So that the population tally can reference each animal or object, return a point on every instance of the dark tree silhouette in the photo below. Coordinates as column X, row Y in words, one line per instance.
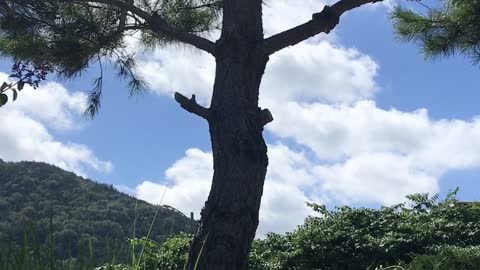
column 70, row 35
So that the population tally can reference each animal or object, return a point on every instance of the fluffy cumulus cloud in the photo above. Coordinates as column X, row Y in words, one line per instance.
column 322, row 97
column 375, row 154
column 189, row 72
column 319, row 71
column 284, row 198
column 336, row 131
column 27, row 126
column 321, row 62
column 359, row 153
column 59, row 108
column 283, row 206
column 379, row 177
column 186, row 186
column 282, row 15
column 308, row 71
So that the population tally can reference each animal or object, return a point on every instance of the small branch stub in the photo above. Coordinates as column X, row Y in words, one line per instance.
column 265, row 117
column 191, row 105
column 327, row 17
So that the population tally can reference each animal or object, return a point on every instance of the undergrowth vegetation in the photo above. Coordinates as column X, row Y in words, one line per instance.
column 421, row 234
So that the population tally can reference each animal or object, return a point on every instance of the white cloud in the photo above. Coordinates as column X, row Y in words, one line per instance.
column 361, row 154
column 178, row 69
column 279, row 16
column 306, row 72
column 374, row 177
column 25, row 133
column 318, row 72
column 283, row 205
column 52, row 104
column 289, row 179
column 282, row 15
column 337, row 131
column 321, row 95
column 377, row 155
column 314, row 70
column 187, row 183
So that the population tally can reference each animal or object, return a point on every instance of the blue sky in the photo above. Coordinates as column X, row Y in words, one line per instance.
column 359, row 119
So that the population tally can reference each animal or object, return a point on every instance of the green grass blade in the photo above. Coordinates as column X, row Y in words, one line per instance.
column 200, row 252
column 151, row 226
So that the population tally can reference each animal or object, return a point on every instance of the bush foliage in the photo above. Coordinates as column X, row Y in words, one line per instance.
column 349, row 238
column 421, row 234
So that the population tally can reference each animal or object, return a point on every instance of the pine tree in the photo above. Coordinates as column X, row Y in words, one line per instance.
column 67, row 36
column 453, row 27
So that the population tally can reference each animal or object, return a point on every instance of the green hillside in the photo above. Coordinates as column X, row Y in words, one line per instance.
column 44, row 199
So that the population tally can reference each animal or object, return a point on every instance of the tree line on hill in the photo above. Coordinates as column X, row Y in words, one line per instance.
column 42, row 202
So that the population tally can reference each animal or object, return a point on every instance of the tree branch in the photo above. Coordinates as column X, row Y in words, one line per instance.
column 214, row 4
column 159, row 25
column 322, row 22
column 123, row 17
column 192, row 106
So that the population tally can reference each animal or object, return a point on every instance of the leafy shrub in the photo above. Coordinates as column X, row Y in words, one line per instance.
column 449, row 258
column 173, row 253
column 170, row 255
column 359, row 239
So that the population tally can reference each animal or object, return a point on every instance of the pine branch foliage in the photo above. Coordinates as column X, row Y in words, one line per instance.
column 71, row 35
column 452, row 28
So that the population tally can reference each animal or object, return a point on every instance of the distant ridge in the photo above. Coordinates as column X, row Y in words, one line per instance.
column 32, row 194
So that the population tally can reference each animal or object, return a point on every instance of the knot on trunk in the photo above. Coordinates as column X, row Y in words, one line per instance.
column 327, row 17
column 265, row 117
column 157, row 21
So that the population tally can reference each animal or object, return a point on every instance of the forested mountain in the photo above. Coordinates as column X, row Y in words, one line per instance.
column 38, row 200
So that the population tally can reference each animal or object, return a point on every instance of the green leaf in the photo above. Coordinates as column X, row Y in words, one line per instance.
column 3, row 99
column 15, row 94
column 21, row 84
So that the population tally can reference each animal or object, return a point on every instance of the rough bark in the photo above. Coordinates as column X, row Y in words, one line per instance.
column 230, row 216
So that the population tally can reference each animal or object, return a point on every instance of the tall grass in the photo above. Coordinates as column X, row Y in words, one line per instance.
column 32, row 256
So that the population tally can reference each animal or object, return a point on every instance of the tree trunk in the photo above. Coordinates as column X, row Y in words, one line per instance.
column 230, row 216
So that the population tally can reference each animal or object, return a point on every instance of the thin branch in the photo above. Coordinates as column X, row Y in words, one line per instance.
column 123, row 17
column 95, row 96
column 322, row 22
column 134, row 27
column 159, row 25
column 210, row 5
column 192, row 106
